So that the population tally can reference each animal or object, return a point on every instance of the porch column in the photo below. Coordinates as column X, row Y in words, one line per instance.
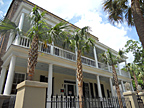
column 52, row 48
column 119, row 68
column 95, row 56
column 122, row 84
column 11, row 36
column 111, row 86
column 2, row 78
column 50, row 75
column 99, row 86
column 131, row 86
column 10, row 76
column 20, row 26
column 77, row 92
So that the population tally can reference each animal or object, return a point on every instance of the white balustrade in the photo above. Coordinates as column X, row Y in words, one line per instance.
column 126, row 74
column 64, row 53
column 25, row 42
column 103, row 66
column 88, row 61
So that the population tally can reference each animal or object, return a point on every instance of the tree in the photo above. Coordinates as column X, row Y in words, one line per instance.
column 120, row 11
column 39, row 31
column 108, row 57
column 133, row 69
column 136, row 68
column 80, row 41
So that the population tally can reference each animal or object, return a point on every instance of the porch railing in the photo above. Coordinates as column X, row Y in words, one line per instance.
column 9, row 102
column 88, row 61
column 73, row 102
column 25, row 42
column 64, row 53
column 103, row 66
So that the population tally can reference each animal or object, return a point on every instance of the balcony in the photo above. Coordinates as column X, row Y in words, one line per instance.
column 65, row 54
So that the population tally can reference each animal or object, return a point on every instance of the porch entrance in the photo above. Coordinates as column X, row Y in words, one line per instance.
column 69, row 88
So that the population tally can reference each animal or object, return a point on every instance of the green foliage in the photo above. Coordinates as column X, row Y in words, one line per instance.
column 6, row 26
column 80, row 39
column 119, row 11
column 110, row 58
column 40, row 28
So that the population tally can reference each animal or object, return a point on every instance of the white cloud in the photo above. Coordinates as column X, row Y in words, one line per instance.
column 90, row 12
column 1, row 13
column 1, row 2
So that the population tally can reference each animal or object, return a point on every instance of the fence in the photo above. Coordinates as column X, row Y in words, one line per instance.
column 9, row 103
column 140, row 101
column 73, row 102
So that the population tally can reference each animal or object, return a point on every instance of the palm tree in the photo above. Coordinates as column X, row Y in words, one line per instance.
column 108, row 57
column 39, row 31
column 80, row 41
column 120, row 11
column 133, row 69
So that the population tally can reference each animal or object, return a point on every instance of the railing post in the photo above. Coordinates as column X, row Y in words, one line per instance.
column 61, row 101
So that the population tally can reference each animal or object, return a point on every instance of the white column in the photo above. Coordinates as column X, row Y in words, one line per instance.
column 10, row 76
column 95, row 56
column 11, row 36
column 52, row 48
column 77, row 92
column 2, row 78
column 131, row 86
column 99, row 86
column 119, row 68
column 122, row 84
column 111, row 86
column 20, row 28
column 109, row 67
column 50, row 75
column 49, row 90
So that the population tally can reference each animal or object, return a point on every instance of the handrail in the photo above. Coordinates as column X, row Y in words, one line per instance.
column 25, row 42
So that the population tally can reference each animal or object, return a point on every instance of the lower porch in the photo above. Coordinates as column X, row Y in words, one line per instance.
column 61, row 80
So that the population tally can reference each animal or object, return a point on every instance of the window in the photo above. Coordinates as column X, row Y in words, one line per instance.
column 102, row 89
column 18, row 78
column 96, row 90
column 43, row 79
column 91, row 88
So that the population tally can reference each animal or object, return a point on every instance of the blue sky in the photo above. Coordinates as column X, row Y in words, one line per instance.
column 86, row 13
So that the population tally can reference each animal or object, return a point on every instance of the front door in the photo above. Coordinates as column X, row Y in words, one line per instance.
column 70, row 90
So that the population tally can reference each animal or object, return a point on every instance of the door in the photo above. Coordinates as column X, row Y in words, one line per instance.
column 70, row 90
column 86, row 90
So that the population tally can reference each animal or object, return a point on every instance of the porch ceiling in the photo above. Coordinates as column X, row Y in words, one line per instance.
column 57, row 69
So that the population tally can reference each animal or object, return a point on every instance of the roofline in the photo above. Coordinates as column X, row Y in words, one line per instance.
column 56, row 16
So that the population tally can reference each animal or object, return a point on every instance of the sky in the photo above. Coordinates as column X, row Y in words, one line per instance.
column 86, row 13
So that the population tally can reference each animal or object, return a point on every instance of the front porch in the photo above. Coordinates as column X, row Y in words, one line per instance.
column 61, row 80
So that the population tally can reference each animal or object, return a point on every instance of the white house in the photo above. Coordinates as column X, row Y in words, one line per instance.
column 56, row 65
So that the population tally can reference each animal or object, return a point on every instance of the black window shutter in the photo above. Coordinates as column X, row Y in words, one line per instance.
column 42, row 78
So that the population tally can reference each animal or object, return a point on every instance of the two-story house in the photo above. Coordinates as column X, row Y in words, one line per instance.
column 56, row 66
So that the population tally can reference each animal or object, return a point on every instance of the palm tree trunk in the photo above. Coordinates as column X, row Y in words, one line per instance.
column 32, row 58
column 80, row 78
column 117, row 86
column 138, row 19
column 136, row 82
